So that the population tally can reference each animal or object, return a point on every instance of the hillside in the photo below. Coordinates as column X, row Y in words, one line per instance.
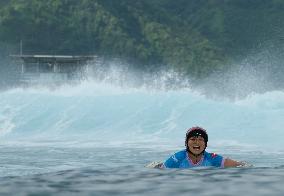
column 194, row 37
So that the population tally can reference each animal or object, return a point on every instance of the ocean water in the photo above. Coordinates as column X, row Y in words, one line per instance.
column 96, row 139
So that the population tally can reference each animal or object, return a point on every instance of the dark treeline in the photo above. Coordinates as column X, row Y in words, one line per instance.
column 197, row 37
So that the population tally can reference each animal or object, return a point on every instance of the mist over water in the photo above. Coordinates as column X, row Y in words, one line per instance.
column 116, row 103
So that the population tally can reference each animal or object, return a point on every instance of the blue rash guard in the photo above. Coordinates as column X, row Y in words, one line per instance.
column 182, row 160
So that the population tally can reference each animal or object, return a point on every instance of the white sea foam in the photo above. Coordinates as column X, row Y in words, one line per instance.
column 6, row 126
column 6, row 120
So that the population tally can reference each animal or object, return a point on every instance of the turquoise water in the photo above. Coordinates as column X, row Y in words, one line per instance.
column 95, row 139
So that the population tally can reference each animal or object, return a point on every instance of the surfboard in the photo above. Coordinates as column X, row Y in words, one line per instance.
column 155, row 164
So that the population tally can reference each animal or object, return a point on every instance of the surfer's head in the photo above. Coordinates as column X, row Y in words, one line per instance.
column 196, row 140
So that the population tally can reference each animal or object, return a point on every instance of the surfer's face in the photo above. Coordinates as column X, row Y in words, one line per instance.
column 196, row 144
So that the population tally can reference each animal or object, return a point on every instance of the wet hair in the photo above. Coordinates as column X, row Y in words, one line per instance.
column 195, row 132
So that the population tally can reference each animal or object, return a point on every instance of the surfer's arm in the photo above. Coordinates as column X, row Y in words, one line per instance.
column 175, row 160
column 232, row 163
column 171, row 162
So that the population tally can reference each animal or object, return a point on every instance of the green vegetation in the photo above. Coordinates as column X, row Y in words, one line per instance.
column 195, row 37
